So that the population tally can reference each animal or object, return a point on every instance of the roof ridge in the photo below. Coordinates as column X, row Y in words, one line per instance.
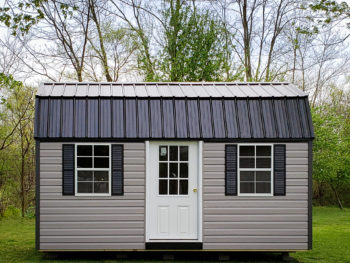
column 170, row 89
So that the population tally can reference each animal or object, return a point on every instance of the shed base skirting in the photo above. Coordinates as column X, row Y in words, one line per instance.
column 170, row 250
column 174, row 245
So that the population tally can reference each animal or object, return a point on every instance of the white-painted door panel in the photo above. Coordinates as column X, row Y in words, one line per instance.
column 172, row 191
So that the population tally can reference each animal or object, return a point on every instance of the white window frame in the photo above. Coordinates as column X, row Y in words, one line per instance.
column 254, row 169
column 76, row 169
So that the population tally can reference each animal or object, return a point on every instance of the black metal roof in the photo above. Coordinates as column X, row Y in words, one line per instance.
column 176, row 117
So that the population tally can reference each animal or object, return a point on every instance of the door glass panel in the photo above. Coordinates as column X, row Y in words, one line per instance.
column 183, row 187
column 163, row 153
column 173, row 187
column 163, row 170
column 163, row 187
column 174, row 153
column 173, row 170
column 183, row 153
column 184, row 170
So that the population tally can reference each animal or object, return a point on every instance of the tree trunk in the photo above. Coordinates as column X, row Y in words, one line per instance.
column 340, row 205
column 22, row 172
column 103, row 56
column 246, row 42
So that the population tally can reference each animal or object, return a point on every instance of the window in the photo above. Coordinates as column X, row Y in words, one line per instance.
column 93, row 175
column 255, row 170
column 173, row 170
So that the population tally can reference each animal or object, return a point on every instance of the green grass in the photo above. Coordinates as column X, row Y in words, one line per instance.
column 331, row 243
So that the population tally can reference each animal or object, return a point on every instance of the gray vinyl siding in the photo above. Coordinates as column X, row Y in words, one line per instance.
column 255, row 223
column 83, row 223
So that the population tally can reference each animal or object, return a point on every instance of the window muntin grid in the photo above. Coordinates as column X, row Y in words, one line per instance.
column 173, row 170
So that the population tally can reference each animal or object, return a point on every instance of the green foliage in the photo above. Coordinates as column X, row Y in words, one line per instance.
column 331, row 10
column 16, row 145
column 193, row 48
column 21, row 16
column 331, row 164
column 11, row 211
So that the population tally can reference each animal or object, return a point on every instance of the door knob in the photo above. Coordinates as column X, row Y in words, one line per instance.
column 194, row 190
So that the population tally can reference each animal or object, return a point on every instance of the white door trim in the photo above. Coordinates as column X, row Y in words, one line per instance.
column 148, row 212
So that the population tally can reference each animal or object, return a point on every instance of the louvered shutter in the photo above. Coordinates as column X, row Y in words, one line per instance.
column 231, row 169
column 68, row 169
column 117, row 169
column 279, row 169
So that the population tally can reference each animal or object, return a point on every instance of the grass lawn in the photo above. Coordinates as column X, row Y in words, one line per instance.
column 331, row 243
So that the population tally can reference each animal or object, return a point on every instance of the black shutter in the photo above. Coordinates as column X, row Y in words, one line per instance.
column 68, row 169
column 231, row 169
column 279, row 166
column 117, row 169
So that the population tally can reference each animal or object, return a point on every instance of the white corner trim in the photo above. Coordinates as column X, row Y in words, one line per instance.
column 200, row 191
column 147, row 182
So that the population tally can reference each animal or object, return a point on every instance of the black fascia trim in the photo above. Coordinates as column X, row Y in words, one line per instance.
column 37, row 195
column 174, row 245
column 309, row 195
column 170, row 97
column 226, row 140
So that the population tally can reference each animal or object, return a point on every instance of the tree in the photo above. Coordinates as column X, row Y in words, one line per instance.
column 17, row 118
column 193, row 47
column 332, row 143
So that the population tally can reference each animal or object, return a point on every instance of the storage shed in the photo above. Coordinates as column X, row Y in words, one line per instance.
column 199, row 166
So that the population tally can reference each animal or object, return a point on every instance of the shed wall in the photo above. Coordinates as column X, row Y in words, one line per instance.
column 82, row 223
column 229, row 222
column 256, row 223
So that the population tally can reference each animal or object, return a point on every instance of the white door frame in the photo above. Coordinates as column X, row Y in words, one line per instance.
column 148, row 212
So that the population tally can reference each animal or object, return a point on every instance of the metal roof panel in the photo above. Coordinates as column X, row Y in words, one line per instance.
column 93, row 90
column 105, row 90
column 105, row 118
column 140, row 90
column 172, row 117
column 170, row 89
column 218, row 119
column 206, row 118
column 117, row 90
column 82, row 90
column 143, row 118
column 70, row 90
column 129, row 90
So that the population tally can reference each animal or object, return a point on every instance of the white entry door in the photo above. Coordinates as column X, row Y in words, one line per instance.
column 172, row 191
